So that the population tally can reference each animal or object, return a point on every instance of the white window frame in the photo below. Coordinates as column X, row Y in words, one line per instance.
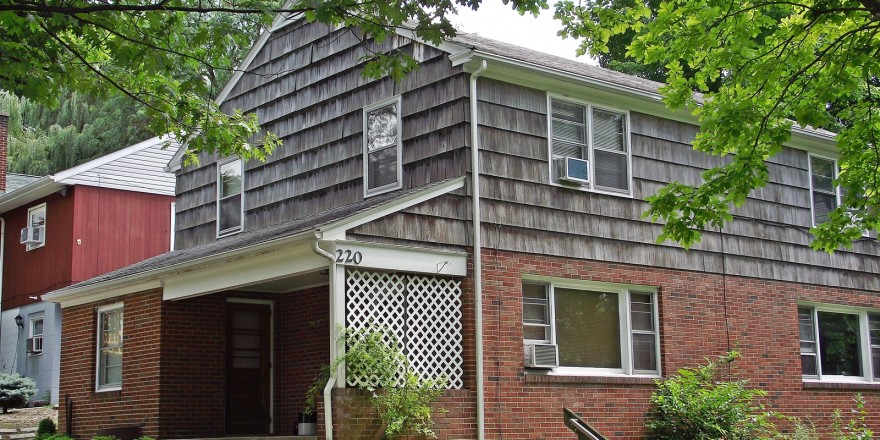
column 240, row 227
column 591, row 186
column 366, row 168
column 31, row 333
column 626, row 344
column 40, row 207
column 836, row 187
column 101, row 312
column 864, row 343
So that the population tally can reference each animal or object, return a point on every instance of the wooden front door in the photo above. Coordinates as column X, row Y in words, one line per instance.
column 247, row 368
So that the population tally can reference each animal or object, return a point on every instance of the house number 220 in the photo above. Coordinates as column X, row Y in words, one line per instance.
column 346, row 256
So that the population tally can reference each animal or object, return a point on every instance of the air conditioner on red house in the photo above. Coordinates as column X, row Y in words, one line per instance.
column 33, row 235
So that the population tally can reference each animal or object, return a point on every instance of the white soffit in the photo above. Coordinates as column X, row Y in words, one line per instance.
column 284, row 262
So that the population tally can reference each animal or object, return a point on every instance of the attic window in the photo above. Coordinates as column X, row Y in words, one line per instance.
column 382, row 147
column 229, row 197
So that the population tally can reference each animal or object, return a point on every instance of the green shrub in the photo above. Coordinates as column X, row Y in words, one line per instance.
column 57, row 437
column 45, row 428
column 699, row 403
column 855, row 428
column 401, row 398
column 15, row 390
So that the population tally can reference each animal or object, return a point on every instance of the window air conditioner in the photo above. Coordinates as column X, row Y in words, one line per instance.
column 32, row 235
column 542, row 356
column 572, row 169
column 34, row 345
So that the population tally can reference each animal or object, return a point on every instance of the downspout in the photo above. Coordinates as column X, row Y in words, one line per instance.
column 478, row 265
column 331, row 382
column 2, row 260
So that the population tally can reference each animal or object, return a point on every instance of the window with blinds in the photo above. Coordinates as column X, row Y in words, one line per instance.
column 589, row 146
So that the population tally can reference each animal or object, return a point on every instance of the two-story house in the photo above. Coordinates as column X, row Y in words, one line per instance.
column 68, row 227
column 488, row 209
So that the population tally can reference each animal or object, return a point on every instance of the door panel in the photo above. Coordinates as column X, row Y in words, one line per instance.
column 247, row 369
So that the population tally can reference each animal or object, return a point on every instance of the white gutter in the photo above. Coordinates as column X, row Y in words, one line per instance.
column 331, row 382
column 478, row 265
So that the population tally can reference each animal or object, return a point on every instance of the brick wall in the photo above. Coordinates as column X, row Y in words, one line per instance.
column 193, row 367
column 302, row 346
column 355, row 419
column 762, row 318
column 138, row 401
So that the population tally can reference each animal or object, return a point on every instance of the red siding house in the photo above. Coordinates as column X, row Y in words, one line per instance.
column 68, row 227
column 487, row 208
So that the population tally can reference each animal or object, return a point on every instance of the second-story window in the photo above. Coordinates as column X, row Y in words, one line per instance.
column 382, row 147
column 589, row 147
column 34, row 235
column 229, row 197
column 825, row 195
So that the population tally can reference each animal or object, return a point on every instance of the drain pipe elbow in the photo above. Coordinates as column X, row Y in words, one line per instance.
column 478, row 266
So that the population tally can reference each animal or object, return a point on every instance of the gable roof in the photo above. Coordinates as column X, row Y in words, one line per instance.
column 465, row 46
column 258, row 240
column 139, row 168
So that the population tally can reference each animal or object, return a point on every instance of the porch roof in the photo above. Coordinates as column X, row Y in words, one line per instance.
column 302, row 229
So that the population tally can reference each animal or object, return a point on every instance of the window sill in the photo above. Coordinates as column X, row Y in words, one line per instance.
column 622, row 194
column 113, row 394
column 619, row 380
column 817, row 385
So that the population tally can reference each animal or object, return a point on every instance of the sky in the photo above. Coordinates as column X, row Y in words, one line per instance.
column 499, row 22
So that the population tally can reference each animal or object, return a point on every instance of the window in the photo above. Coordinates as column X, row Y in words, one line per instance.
column 109, row 374
column 597, row 328
column 35, row 336
column 824, row 194
column 382, row 145
column 229, row 194
column 589, row 147
column 36, row 225
column 839, row 344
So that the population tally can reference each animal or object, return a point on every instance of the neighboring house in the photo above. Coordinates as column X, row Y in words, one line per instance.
column 68, row 227
column 560, row 298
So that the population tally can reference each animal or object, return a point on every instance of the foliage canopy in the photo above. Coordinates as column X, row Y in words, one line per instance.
column 750, row 71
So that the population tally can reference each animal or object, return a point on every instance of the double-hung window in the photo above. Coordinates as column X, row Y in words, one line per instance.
column 596, row 328
column 382, row 147
column 589, row 147
column 109, row 365
column 839, row 344
column 35, row 336
column 825, row 195
column 229, row 197
column 36, row 227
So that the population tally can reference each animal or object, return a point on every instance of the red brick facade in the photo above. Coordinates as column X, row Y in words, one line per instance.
column 138, row 402
column 174, row 363
column 182, row 395
column 763, row 323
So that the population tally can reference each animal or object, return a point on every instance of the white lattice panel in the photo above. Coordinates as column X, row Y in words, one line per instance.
column 374, row 298
column 423, row 312
column 434, row 328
